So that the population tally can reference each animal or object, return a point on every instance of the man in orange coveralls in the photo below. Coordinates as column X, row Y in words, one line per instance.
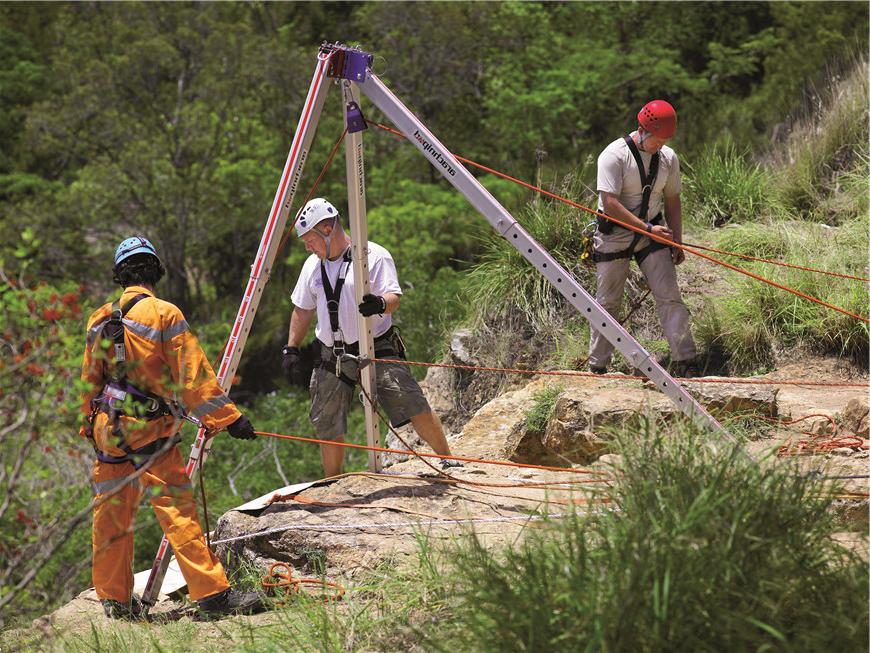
column 140, row 358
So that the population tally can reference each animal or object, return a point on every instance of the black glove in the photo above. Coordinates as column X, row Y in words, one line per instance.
column 242, row 429
column 293, row 367
column 372, row 304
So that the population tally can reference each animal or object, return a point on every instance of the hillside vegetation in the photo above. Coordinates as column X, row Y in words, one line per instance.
column 173, row 120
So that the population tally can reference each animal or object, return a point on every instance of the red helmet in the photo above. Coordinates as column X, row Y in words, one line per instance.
column 658, row 118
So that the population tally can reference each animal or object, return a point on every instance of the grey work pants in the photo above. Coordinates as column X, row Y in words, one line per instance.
column 661, row 275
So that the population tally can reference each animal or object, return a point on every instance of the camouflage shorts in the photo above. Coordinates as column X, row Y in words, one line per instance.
column 399, row 395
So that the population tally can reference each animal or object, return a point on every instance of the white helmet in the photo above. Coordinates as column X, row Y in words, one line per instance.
column 313, row 213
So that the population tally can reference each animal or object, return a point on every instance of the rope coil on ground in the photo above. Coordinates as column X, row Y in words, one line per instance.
column 282, row 584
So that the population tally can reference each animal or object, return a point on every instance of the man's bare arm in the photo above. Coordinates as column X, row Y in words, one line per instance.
column 300, row 322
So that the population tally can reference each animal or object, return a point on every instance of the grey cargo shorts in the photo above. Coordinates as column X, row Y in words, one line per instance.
column 399, row 395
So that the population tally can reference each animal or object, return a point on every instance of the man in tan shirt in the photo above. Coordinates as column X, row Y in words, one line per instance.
column 639, row 184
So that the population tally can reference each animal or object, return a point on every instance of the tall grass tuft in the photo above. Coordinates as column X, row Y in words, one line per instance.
column 748, row 325
column 700, row 550
column 822, row 166
column 504, row 283
column 542, row 407
column 723, row 186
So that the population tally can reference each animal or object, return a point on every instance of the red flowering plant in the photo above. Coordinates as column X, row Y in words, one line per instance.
column 44, row 464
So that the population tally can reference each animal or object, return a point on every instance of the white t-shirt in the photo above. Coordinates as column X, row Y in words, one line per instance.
column 309, row 293
column 618, row 174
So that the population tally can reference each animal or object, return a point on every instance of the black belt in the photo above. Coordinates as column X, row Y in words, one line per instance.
column 385, row 347
column 145, row 405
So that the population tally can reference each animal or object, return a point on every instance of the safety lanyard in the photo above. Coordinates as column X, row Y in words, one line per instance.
column 114, row 329
column 646, row 180
column 333, row 295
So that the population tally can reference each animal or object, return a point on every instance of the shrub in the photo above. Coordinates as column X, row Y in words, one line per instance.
column 44, row 552
column 542, row 408
column 702, row 550
column 504, row 283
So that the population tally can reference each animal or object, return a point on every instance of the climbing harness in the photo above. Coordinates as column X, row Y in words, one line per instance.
column 647, row 180
column 389, row 345
column 119, row 398
column 333, row 297
column 386, row 345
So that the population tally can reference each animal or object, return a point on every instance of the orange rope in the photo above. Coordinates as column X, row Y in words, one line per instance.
column 411, row 452
column 282, row 583
column 817, row 442
column 623, row 377
column 779, row 263
column 643, row 232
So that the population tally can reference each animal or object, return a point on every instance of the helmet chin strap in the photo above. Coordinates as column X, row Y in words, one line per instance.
column 642, row 136
column 327, row 239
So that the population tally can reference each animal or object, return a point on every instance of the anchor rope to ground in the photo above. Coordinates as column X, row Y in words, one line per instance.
column 623, row 377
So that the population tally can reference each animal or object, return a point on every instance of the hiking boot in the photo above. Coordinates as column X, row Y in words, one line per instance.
column 232, row 601
column 446, row 464
column 132, row 611
column 687, row 369
column 597, row 370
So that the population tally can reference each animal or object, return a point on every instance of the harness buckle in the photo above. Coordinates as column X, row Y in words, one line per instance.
column 114, row 392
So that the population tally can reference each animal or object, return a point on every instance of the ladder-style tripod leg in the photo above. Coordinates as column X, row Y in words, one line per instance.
column 356, row 204
column 507, row 227
column 260, row 271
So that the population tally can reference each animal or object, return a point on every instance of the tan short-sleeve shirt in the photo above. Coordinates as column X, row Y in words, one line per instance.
column 618, row 174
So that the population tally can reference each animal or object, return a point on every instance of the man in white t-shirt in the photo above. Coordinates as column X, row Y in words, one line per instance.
column 326, row 289
column 639, row 184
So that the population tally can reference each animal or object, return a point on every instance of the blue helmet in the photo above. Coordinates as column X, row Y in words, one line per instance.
column 134, row 245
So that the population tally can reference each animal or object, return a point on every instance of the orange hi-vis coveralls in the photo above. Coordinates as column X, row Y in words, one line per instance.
column 164, row 358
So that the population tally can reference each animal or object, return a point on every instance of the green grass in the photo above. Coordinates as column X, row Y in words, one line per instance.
column 724, row 186
column 750, row 323
column 702, row 551
column 699, row 549
column 822, row 172
column 543, row 403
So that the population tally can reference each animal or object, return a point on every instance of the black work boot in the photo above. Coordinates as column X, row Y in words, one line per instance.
column 131, row 611
column 687, row 369
column 595, row 369
column 232, row 601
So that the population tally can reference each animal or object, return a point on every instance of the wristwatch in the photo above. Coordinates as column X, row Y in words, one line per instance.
column 649, row 227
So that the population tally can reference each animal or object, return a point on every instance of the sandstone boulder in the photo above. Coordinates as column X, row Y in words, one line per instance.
column 855, row 419
column 736, row 400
